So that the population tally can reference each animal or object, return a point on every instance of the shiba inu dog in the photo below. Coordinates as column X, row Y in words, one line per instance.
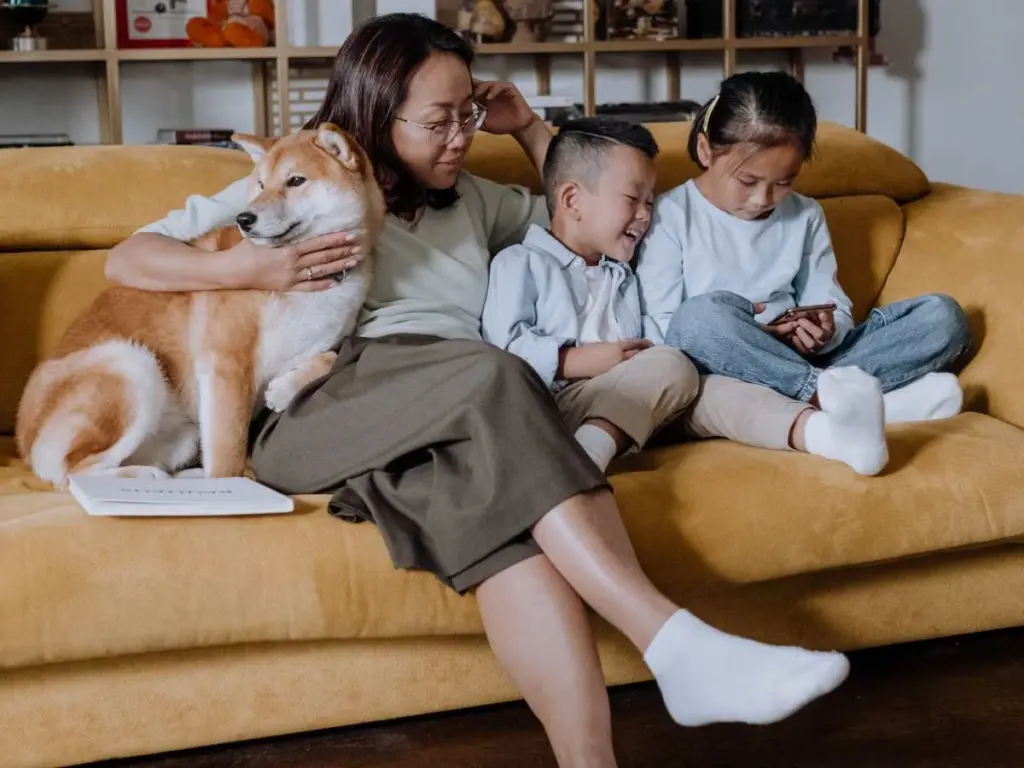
column 151, row 379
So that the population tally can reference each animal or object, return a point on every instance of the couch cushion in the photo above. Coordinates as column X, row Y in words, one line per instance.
column 93, row 197
column 845, row 162
column 702, row 517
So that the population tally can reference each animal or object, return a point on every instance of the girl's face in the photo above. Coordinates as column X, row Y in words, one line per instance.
column 747, row 180
column 436, row 122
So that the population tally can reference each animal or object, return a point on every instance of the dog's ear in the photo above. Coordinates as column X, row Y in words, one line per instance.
column 256, row 146
column 338, row 144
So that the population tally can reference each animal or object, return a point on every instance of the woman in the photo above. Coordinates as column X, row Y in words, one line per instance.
column 453, row 447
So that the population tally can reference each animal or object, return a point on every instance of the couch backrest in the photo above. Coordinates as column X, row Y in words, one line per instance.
column 61, row 208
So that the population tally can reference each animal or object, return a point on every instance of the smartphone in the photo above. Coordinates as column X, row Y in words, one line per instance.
column 796, row 312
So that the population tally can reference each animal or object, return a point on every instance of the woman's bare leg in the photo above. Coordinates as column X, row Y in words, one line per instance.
column 704, row 675
column 541, row 634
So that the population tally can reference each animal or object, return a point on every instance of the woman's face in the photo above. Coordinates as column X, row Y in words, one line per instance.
column 440, row 92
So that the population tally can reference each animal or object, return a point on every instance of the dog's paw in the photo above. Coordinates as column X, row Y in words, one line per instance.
column 282, row 390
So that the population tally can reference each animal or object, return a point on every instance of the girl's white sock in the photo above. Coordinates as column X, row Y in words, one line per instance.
column 599, row 445
column 708, row 676
column 933, row 396
column 850, row 427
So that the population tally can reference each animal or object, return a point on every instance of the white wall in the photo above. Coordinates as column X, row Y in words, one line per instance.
column 952, row 98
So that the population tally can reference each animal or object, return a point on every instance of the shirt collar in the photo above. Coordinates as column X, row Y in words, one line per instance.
column 541, row 239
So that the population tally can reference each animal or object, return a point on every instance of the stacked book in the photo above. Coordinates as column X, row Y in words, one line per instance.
column 202, row 137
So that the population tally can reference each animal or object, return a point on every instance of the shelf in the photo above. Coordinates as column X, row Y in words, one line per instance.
column 655, row 46
column 42, row 57
column 801, row 41
column 517, row 49
column 312, row 52
column 195, row 54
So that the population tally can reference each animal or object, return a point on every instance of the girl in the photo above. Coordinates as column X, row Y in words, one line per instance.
column 734, row 249
column 454, row 448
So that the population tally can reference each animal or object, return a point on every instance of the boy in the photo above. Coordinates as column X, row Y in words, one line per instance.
column 567, row 302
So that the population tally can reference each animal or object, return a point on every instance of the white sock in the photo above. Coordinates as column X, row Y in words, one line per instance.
column 933, row 396
column 707, row 676
column 599, row 445
column 850, row 427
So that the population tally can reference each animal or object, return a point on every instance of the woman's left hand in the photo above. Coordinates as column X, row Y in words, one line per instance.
column 507, row 110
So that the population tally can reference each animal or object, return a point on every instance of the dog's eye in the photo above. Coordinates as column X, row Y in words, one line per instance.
column 295, row 181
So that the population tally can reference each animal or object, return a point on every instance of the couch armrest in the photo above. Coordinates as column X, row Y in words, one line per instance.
column 970, row 244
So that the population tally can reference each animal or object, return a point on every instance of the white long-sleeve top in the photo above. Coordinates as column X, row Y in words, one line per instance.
column 783, row 260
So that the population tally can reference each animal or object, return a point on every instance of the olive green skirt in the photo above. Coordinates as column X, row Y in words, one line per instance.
column 454, row 449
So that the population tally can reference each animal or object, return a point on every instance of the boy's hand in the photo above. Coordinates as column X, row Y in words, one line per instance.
column 592, row 360
column 807, row 335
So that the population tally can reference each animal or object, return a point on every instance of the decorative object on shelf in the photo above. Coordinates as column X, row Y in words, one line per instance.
column 484, row 21
column 233, row 24
column 641, row 19
column 772, row 18
column 27, row 14
column 156, row 23
column 532, row 19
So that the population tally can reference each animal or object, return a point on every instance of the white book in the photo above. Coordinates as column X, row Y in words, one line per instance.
column 191, row 497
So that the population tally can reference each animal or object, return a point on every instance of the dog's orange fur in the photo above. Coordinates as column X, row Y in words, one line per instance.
column 216, row 334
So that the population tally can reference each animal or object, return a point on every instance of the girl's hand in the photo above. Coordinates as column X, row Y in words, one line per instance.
column 805, row 335
column 305, row 266
column 507, row 110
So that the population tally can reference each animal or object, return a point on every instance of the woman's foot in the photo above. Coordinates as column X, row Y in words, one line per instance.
column 850, row 427
column 708, row 676
column 933, row 396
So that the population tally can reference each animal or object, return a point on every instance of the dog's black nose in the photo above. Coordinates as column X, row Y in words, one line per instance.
column 245, row 220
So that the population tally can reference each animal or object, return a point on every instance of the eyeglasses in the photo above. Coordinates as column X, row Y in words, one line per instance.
column 444, row 132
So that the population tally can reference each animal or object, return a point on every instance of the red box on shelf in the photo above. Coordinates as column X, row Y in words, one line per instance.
column 156, row 23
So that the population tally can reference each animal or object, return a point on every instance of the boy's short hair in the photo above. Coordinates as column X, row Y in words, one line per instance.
column 576, row 151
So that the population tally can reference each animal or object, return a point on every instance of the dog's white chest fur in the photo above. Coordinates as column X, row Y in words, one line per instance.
column 295, row 326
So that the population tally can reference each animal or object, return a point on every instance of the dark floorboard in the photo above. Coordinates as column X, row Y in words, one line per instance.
column 953, row 703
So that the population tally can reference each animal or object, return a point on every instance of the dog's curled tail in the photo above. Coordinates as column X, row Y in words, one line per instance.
column 90, row 410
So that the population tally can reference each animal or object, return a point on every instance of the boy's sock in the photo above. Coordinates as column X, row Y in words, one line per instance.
column 599, row 445
column 850, row 427
column 707, row 676
column 933, row 396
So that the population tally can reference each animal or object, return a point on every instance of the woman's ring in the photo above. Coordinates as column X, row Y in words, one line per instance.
column 309, row 273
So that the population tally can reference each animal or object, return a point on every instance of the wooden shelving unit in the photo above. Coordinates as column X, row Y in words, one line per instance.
column 109, row 59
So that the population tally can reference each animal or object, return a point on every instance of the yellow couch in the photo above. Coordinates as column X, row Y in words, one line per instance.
column 122, row 637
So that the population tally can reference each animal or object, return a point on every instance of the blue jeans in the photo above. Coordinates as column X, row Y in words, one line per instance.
column 897, row 344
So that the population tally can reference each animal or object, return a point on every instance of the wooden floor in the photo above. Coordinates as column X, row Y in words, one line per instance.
column 955, row 703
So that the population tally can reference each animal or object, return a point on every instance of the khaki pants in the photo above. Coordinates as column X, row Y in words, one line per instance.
column 660, row 388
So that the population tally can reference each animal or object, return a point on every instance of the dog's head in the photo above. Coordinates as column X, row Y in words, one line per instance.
column 310, row 183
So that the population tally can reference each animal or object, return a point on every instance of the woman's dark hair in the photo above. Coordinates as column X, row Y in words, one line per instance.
column 368, row 84
column 764, row 108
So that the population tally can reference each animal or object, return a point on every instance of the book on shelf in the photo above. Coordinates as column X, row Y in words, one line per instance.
column 193, row 135
column 105, row 496
column 19, row 140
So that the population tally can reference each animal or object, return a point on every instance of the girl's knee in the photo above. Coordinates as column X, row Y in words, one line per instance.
column 710, row 314
column 946, row 316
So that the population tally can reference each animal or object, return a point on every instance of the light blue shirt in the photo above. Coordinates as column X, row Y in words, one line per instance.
column 536, row 293
column 694, row 247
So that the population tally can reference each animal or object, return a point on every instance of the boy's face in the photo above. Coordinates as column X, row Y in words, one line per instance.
column 615, row 211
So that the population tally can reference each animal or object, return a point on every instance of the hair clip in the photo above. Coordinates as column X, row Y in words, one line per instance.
column 707, row 115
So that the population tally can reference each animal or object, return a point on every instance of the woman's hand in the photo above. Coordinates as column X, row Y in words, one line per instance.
column 507, row 110
column 305, row 266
